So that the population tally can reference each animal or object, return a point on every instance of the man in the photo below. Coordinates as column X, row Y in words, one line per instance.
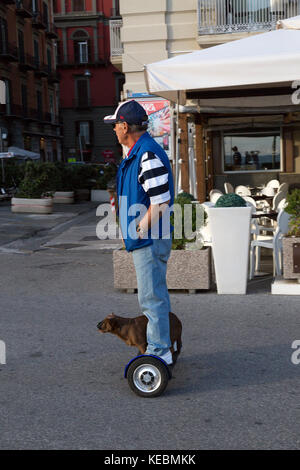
column 145, row 178
column 237, row 157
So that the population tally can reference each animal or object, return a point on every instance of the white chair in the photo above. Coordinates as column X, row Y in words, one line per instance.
column 214, row 195
column 274, row 243
column 273, row 184
column 268, row 191
column 284, row 187
column 278, row 197
column 282, row 205
column 242, row 191
column 228, row 188
column 250, row 200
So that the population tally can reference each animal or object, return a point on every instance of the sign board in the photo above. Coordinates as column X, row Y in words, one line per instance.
column 159, row 128
column 108, row 156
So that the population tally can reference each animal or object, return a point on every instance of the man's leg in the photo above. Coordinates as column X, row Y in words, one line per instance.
column 151, row 268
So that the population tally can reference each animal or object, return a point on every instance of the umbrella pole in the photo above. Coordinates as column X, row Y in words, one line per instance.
column 177, row 147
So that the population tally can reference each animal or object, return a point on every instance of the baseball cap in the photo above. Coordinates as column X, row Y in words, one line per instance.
column 130, row 111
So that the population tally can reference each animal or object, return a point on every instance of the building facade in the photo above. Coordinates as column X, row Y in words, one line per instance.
column 90, row 84
column 30, row 117
column 269, row 144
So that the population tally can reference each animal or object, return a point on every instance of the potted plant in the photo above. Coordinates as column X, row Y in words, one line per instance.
column 230, row 221
column 64, row 193
column 291, row 242
column 36, row 189
column 189, row 265
column 104, row 177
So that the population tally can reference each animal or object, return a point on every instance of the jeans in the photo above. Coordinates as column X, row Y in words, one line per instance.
column 151, row 269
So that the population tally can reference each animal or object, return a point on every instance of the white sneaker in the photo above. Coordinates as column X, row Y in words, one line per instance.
column 167, row 357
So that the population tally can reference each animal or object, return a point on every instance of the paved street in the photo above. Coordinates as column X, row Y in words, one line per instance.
column 234, row 385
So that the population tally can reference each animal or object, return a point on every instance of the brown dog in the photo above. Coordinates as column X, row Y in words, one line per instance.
column 133, row 331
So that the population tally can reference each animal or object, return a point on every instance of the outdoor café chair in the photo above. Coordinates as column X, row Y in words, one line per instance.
column 242, row 191
column 273, row 184
column 228, row 188
column 277, row 198
column 214, row 195
column 274, row 243
column 284, row 187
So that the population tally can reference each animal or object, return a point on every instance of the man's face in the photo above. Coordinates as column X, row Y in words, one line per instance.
column 121, row 129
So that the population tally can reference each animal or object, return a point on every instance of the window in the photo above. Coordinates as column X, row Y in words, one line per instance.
column 82, row 93
column 84, row 131
column 82, row 50
column 51, row 106
column 24, row 99
column 78, row 5
column 8, row 95
column 81, row 46
column 36, row 53
column 49, row 60
column 21, row 46
column 39, row 102
column 55, row 6
column 3, row 35
column 45, row 14
column 252, row 151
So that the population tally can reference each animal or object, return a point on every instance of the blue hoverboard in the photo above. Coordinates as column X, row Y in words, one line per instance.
column 148, row 375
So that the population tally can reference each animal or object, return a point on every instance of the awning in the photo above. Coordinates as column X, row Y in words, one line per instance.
column 24, row 154
column 263, row 61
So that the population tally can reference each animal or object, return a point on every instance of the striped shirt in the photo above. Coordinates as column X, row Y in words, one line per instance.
column 153, row 176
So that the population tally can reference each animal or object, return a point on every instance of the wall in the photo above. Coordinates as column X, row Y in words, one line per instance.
column 154, row 31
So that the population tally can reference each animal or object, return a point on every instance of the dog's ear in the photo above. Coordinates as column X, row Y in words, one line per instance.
column 112, row 321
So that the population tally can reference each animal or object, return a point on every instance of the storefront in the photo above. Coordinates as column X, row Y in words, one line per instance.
column 246, row 124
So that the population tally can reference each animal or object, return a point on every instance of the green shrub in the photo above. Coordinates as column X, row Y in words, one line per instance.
column 14, row 172
column 106, row 177
column 83, row 176
column 293, row 208
column 231, row 200
column 40, row 179
column 183, row 199
column 65, row 180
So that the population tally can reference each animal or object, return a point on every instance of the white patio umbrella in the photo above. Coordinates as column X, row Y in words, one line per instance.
column 269, row 59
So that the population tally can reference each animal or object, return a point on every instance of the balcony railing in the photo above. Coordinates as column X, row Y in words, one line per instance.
column 116, row 48
column 51, row 31
column 233, row 16
column 9, row 51
column 82, row 103
column 24, row 8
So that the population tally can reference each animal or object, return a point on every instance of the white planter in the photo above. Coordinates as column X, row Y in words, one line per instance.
column 64, row 197
column 99, row 195
column 230, row 230
column 35, row 206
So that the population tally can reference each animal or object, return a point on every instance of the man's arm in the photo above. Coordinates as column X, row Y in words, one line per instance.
column 152, row 216
column 155, row 181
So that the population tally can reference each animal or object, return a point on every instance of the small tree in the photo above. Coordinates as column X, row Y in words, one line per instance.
column 293, row 208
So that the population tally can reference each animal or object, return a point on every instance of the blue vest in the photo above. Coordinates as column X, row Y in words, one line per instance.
column 131, row 192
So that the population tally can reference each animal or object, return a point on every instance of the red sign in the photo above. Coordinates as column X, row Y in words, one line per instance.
column 108, row 155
